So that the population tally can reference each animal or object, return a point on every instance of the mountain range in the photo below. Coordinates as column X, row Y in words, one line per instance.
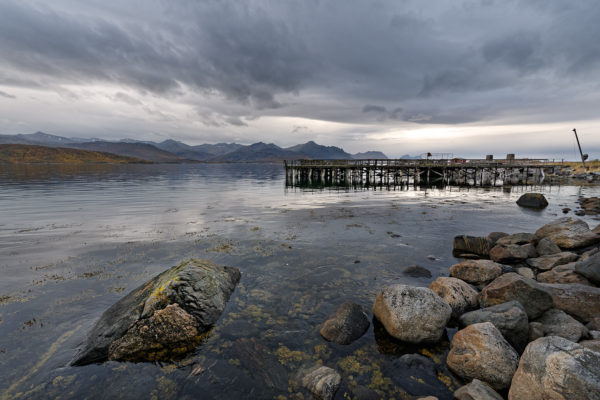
column 172, row 151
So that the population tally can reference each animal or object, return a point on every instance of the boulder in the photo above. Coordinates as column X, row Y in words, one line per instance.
column 556, row 368
column 533, row 200
column 476, row 390
column 412, row 314
column 563, row 274
column 590, row 268
column 457, row 293
column 512, row 253
column 532, row 296
column 518, row 238
column 348, row 323
column 322, row 381
column 476, row 272
column 546, row 263
column 558, row 323
column 536, row 330
column 585, row 255
column 494, row 236
column 480, row 352
column 509, row 318
column 568, row 233
column 579, row 301
column 201, row 290
column 546, row 247
column 472, row 244
column 526, row 272
column 416, row 271
column 593, row 345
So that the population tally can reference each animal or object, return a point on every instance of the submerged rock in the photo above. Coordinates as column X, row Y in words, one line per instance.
column 480, row 352
column 580, row 301
column 476, row 390
column 347, row 324
column 510, row 318
column 412, row 314
column 568, row 233
column 476, row 272
column 533, row 200
column 556, row 368
column 457, row 293
column 558, row 323
column 534, row 298
column 199, row 288
column 322, row 381
column 472, row 244
column 416, row 271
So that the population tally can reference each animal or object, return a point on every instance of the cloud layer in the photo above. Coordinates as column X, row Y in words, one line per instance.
column 236, row 70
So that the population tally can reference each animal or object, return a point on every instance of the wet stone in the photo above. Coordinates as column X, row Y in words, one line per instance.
column 348, row 323
column 322, row 381
column 533, row 200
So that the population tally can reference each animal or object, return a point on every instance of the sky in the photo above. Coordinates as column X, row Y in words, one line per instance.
column 471, row 77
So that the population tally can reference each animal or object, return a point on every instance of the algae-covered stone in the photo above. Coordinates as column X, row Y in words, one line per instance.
column 200, row 288
column 347, row 324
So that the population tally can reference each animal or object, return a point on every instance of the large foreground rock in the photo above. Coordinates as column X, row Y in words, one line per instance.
column 199, row 288
column 479, row 351
column 556, row 368
column 472, row 245
column 347, row 324
column 476, row 272
column 580, row 301
column 558, row 323
column 546, row 263
column 590, row 268
column 533, row 200
column 322, row 381
column 512, row 286
column 510, row 318
column 568, row 233
column 412, row 314
column 476, row 390
column 457, row 293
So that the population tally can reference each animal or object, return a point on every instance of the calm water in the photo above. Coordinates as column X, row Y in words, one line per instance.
column 73, row 241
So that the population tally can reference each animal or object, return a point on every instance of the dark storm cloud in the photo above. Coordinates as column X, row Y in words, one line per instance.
column 445, row 62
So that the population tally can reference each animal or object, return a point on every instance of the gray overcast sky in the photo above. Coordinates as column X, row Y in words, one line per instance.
column 466, row 77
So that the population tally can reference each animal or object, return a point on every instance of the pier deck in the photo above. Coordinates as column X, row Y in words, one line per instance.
column 396, row 172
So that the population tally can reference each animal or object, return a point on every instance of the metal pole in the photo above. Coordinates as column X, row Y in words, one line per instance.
column 579, row 145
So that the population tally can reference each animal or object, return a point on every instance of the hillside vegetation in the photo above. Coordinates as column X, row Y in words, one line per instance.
column 30, row 154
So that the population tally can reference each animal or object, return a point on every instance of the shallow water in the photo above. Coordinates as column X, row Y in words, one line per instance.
column 74, row 240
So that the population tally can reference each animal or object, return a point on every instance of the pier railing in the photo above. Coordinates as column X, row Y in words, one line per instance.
column 387, row 163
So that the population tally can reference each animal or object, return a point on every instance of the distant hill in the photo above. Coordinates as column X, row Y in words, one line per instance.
column 317, row 151
column 183, row 150
column 218, row 149
column 369, row 155
column 259, row 152
column 25, row 153
column 138, row 150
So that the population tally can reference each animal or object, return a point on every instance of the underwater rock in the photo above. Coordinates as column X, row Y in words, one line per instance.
column 533, row 200
column 457, row 293
column 412, row 314
column 200, row 288
column 322, row 381
column 556, row 368
column 348, row 323
column 568, row 233
column 476, row 272
column 416, row 271
column 480, row 352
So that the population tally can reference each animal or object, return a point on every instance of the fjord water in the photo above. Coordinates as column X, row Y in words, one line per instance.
column 74, row 240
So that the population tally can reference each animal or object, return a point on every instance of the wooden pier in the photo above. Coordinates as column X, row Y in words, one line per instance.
column 402, row 172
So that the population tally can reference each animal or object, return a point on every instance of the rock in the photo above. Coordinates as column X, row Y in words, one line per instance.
column 494, row 236
column 472, row 244
column 593, row 345
column 512, row 253
column 509, row 318
column 476, row 390
column 546, row 247
column 533, row 200
column 480, row 352
column 347, row 324
column 364, row 393
column 546, row 263
column 566, row 210
column 458, row 294
column 476, row 272
column 596, row 230
column 532, row 296
column 322, row 381
column 556, row 368
column 262, row 365
column 590, row 268
column 536, row 330
column 518, row 238
column 412, row 314
column 568, row 233
column 416, row 271
column 526, row 272
column 594, row 334
column 594, row 324
column 428, row 398
column 584, row 256
column 200, row 288
column 579, row 301
column 563, row 274
column 558, row 323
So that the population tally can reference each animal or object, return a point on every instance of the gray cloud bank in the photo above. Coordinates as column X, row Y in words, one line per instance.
column 359, row 62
